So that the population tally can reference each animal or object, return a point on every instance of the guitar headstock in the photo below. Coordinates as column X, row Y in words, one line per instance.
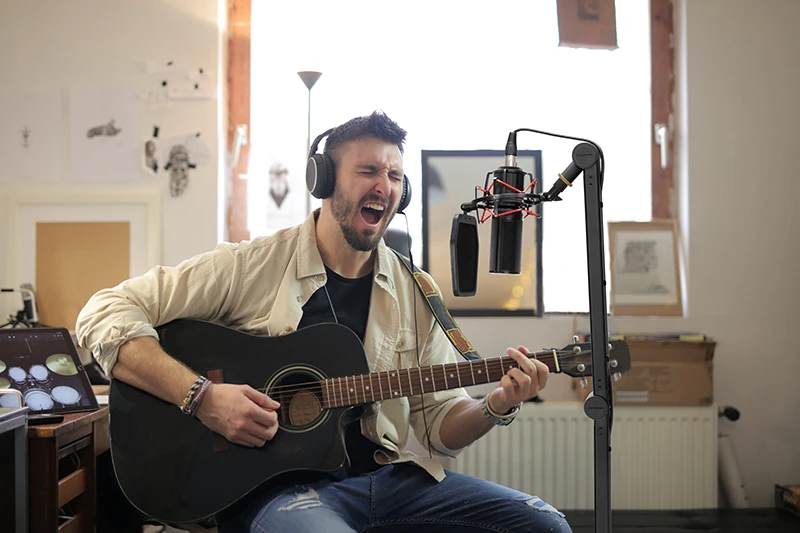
column 576, row 359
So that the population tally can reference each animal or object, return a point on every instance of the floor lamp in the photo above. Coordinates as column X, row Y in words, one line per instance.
column 309, row 78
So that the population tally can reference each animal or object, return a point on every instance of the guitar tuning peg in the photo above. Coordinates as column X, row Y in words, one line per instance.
column 583, row 383
column 574, row 339
column 613, row 363
column 617, row 375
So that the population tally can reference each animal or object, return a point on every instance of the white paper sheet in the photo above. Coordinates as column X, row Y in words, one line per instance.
column 105, row 134
column 30, row 136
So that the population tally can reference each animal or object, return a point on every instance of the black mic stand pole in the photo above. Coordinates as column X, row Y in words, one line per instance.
column 598, row 405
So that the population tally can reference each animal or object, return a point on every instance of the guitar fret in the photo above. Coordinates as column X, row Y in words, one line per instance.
column 472, row 371
column 458, row 373
column 380, row 385
column 363, row 391
column 347, row 384
column 389, row 383
column 486, row 366
column 433, row 380
column 399, row 385
column 341, row 392
column 421, row 383
column 410, row 388
column 327, row 394
column 444, row 373
column 371, row 388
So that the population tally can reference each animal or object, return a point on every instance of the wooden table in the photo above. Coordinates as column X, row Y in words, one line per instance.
column 62, row 472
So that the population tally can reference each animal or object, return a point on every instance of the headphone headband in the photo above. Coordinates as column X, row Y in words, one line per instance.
column 321, row 176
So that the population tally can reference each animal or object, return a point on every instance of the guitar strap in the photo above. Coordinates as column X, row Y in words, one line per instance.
column 440, row 311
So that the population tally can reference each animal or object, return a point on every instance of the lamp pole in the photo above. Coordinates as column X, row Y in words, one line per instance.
column 309, row 78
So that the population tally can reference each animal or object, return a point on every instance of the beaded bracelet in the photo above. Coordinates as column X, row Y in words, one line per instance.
column 187, row 401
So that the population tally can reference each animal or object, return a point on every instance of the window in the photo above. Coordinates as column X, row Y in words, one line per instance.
column 460, row 76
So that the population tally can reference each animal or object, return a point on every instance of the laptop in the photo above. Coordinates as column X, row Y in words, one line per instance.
column 44, row 366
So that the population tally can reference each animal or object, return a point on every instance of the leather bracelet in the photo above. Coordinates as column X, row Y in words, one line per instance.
column 499, row 420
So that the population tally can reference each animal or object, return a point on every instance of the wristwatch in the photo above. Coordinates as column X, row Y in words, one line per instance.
column 499, row 420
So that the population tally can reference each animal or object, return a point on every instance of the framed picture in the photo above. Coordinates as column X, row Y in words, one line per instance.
column 645, row 268
column 449, row 179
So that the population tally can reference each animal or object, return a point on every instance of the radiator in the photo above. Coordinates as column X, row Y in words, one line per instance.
column 661, row 457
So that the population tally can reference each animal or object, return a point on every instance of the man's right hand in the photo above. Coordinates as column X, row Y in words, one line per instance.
column 239, row 413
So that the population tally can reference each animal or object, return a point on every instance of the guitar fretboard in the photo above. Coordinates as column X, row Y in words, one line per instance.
column 366, row 388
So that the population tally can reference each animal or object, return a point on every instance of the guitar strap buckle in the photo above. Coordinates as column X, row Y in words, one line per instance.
column 440, row 311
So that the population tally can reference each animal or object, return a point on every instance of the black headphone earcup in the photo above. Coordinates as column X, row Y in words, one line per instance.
column 405, row 198
column 320, row 176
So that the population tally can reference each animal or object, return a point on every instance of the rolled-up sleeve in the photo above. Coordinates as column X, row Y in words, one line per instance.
column 438, row 350
column 200, row 287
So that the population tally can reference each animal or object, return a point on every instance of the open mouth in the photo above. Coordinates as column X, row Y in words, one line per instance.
column 373, row 212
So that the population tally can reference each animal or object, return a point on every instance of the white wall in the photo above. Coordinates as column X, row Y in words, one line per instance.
column 54, row 44
column 737, row 87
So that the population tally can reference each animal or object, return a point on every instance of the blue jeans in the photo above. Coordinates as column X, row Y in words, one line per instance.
column 394, row 499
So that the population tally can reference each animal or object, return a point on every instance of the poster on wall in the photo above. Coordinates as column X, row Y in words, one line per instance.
column 277, row 190
column 105, row 133
column 30, row 136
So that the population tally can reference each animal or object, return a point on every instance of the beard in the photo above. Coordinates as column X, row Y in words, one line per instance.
column 343, row 210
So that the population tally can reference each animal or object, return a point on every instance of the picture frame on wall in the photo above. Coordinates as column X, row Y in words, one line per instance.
column 644, row 260
column 449, row 178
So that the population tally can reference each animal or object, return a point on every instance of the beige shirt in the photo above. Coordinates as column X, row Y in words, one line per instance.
column 260, row 287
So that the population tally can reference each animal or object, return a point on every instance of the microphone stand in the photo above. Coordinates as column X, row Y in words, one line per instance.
column 598, row 405
column 587, row 159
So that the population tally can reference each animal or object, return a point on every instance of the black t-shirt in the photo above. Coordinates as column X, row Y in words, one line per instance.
column 350, row 300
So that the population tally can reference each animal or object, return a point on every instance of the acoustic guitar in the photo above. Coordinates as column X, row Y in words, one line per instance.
column 174, row 469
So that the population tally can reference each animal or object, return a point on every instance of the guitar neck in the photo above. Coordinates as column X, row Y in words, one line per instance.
column 366, row 388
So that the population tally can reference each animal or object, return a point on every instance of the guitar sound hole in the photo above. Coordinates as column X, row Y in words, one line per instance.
column 300, row 396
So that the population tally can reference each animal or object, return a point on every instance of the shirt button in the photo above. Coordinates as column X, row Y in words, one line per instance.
column 299, row 298
column 288, row 329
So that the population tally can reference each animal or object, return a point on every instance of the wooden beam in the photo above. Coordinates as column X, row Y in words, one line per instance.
column 238, row 113
column 662, row 71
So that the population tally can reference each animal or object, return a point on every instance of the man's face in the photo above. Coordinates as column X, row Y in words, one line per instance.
column 369, row 183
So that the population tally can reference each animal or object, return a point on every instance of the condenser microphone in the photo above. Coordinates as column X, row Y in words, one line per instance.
column 29, row 303
column 464, row 255
column 505, row 248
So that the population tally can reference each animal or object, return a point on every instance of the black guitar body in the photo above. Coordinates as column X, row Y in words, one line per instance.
column 165, row 461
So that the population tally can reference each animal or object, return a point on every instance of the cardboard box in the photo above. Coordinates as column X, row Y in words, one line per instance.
column 664, row 372
column 787, row 498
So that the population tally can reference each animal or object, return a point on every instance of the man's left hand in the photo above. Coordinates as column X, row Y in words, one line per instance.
column 519, row 384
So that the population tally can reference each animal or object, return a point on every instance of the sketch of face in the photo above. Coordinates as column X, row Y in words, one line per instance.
column 178, row 170
column 278, row 183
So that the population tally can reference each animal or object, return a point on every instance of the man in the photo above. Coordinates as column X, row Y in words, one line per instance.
column 332, row 268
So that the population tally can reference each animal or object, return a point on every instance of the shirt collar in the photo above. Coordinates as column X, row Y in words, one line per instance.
column 310, row 261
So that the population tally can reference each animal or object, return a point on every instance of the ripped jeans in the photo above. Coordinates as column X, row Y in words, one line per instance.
column 394, row 499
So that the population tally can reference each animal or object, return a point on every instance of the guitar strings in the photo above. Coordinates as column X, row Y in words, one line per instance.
column 465, row 371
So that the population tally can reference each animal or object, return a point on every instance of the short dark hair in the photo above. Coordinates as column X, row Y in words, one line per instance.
column 377, row 126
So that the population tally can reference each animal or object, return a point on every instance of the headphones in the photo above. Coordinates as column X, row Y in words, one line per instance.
column 321, row 175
